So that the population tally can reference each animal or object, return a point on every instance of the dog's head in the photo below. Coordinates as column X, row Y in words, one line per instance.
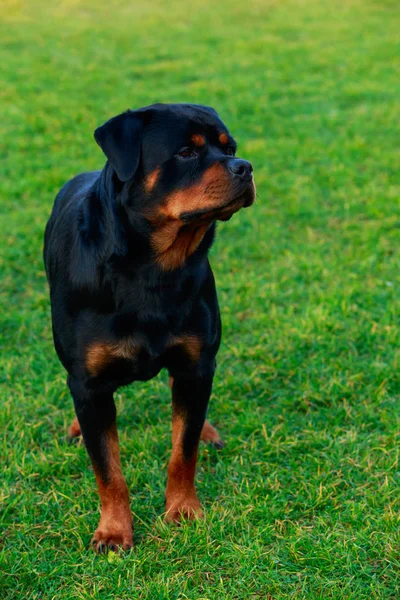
column 181, row 159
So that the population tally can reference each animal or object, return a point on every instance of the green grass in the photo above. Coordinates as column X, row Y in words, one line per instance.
column 304, row 500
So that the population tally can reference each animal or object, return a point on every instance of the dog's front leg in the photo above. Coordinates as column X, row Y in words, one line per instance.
column 97, row 419
column 189, row 407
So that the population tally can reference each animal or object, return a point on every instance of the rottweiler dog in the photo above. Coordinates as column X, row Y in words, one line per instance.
column 132, row 291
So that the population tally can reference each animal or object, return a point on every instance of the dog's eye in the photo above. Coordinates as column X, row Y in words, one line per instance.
column 230, row 151
column 187, row 152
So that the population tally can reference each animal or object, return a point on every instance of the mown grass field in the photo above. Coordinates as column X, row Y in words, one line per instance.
column 304, row 500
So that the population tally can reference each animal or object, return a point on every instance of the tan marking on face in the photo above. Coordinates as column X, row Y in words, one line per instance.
column 207, row 193
column 151, row 180
column 173, row 240
column 100, row 354
column 181, row 497
column 198, row 140
column 223, row 138
column 115, row 525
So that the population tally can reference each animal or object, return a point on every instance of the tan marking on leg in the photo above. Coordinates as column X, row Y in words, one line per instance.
column 181, row 497
column 171, row 382
column 100, row 354
column 151, row 180
column 198, row 140
column 223, row 138
column 210, row 434
column 115, row 527
column 74, row 429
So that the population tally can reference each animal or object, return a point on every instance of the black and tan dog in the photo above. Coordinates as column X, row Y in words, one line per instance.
column 132, row 290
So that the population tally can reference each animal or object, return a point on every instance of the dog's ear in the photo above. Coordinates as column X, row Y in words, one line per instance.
column 120, row 138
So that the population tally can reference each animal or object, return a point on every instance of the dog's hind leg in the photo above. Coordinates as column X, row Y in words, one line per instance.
column 74, row 430
column 209, row 434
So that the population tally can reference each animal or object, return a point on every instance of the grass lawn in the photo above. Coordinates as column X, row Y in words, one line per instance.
column 303, row 503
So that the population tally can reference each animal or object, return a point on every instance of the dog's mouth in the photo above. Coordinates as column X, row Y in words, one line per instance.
column 224, row 211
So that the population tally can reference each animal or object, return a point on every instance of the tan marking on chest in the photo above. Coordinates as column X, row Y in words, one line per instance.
column 174, row 243
column 101, row 354
column 191, row 345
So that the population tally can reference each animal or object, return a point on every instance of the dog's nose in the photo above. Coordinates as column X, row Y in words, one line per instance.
column 241, row 168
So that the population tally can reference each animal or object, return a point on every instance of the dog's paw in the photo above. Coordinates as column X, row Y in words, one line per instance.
column 211, row 436
column 183, row 507
column 112, row 534
column 103, row 541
